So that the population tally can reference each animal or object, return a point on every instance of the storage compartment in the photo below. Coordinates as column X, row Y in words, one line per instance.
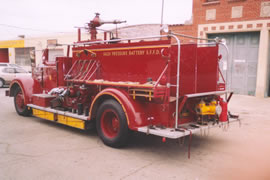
column 43, row 100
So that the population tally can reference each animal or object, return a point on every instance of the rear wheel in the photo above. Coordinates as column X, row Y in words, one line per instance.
column 2, row 83
column 111, row 124
column 19, row 104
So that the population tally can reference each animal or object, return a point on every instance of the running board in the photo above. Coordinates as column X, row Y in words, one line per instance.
column 182, row 130
column 62, row 117
column 65, row 113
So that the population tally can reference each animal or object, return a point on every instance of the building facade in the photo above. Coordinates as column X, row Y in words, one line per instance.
column 245, row 25
column 18, row 51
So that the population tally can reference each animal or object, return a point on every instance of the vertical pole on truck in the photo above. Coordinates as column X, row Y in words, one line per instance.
column 178, row 79
column 227, row 85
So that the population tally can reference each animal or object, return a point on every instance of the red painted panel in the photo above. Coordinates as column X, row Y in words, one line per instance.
column 207, row 69
column 188, row 55
column 63, row 65
column 49, row 77
column 4, row 55
column 135, row 62
column 198, row 69
column 43, row 100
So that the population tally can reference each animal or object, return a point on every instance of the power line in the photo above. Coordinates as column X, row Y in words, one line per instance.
column 30, row 29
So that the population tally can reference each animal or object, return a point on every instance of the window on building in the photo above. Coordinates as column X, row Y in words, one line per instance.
column 53, row 53
column 22, row 56
column 209, row 2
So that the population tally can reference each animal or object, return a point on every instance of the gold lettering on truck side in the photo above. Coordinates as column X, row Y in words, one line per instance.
column 132, row 52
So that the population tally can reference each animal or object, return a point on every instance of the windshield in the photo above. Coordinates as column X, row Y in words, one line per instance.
column 19, row 70
column 15, row 65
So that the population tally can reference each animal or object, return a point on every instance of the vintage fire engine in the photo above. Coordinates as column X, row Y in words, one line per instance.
column 155, row 85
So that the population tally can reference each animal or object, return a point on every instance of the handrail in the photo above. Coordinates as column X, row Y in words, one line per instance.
column 178, row 79
column 226, row 82
column 125, row 39
column 192, row 37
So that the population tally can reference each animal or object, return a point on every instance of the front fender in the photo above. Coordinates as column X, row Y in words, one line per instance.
column 28, row 85
column 134, row 112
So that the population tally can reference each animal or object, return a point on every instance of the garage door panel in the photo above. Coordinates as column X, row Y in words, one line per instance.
column 237, row 91
column 252, row 69
column 239, row 68
column 238, row 81
column 228, row 38
column 243, row 60
column 251, row 83
column 252, row 54
column 240, row 53
column 241, row 40
column 254, row 40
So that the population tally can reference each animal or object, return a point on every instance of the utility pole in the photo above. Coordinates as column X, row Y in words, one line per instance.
column 162, row 8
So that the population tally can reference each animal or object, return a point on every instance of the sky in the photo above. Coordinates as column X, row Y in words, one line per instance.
column 36, row 17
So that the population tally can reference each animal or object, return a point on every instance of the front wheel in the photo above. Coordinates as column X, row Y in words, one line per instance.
column 111, row 124
column 19, row 104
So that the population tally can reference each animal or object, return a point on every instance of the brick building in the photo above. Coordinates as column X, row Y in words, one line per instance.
column 245, row 24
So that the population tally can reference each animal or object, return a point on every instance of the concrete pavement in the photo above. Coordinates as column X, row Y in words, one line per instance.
column 32, row 148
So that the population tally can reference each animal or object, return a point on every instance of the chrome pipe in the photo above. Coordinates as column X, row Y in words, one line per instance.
column 178, row 78
column 227, row 78
column 125, row 39
column 192, row 37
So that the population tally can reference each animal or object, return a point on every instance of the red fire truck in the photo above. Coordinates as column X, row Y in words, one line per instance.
column 155, row 85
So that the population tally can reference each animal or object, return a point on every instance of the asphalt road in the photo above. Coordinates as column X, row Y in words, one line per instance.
column 32, row 148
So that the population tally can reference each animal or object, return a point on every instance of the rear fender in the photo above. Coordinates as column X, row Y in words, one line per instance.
column 28, row 85
column 134, row 113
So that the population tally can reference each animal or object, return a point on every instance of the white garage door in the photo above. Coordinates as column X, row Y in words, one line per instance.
column 243, row 60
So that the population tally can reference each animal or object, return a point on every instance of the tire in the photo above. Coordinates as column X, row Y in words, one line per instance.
column 111, row 124
column 20, row 107
column 2, row 82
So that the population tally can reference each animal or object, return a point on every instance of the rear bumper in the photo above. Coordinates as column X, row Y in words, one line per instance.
column 183, row 130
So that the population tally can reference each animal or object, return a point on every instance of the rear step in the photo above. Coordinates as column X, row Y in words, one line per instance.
column 182, row 130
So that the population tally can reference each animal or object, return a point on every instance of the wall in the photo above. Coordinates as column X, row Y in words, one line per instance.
column 227, row 10
column 141, row 30
column 221, row 11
